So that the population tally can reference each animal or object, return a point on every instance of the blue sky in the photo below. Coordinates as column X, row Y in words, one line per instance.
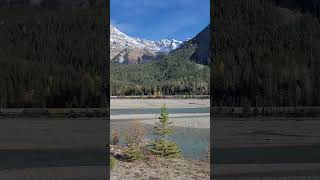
column 160, row 19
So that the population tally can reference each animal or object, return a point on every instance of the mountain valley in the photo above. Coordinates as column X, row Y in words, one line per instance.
column 146, row 67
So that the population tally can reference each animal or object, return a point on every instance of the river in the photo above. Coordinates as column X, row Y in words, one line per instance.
column 194, row 142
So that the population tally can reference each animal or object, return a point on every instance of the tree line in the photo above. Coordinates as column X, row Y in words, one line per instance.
column 169, row 76
column 53, row 58
column 264, row 55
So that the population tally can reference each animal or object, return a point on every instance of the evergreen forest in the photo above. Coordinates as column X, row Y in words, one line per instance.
column 265, row 53
column 53, row 57
column 172, row 75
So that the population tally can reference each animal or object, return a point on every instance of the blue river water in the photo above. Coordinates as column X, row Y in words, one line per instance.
column 194, row 142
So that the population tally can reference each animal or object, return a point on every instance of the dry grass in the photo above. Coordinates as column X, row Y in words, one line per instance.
column 135, row 134
column 115, row 136
column 162, row 169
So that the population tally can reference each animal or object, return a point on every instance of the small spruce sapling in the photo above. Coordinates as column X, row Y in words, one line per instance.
column 161, row 146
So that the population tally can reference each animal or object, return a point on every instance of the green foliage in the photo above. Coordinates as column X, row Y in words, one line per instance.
column 264, row 55
column 170, row 76
column 52, row 58
column 165, row 149
column 184, row 71
column 162, row 147
column 162, row 128
column 134, row 136
column 113, row 162
column 134, row 153
column 196, row 49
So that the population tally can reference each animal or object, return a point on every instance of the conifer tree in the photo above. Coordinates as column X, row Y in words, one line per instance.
column 161, row 146
column 162, row 128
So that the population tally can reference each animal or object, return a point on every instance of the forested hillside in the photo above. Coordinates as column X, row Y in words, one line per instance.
column 305, row 6
column 184, row 71
column 264, row 55
column 196, row 49
column 165, row 77
column 53, row 58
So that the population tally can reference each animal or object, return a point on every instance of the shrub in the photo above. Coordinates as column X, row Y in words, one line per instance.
column 113, row 162
column 165, row 149
column 161, row 146
column 133, row 153
column 135, row 134
column 115, row 136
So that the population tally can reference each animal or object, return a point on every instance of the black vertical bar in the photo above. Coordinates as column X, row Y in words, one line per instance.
column 107, row 20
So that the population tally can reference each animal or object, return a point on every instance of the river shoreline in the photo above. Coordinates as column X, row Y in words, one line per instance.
column 158, row 103
column 184, row 112
column 199, row 122
column 161, row 168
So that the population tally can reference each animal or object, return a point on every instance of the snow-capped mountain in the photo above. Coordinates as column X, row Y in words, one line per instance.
column 126, row 49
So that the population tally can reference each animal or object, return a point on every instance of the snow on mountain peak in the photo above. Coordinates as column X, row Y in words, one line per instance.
column 121, row 40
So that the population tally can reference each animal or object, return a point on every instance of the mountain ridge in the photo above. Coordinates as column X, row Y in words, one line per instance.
column 132, row 50
column 195, row 49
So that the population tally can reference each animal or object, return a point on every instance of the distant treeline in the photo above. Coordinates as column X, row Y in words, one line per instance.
column 53, row 58
column 264, row 55
column 173, row 75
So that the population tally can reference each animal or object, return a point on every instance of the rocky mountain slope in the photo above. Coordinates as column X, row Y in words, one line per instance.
column 183, row 71
column 131, row 50
column 195, row 49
